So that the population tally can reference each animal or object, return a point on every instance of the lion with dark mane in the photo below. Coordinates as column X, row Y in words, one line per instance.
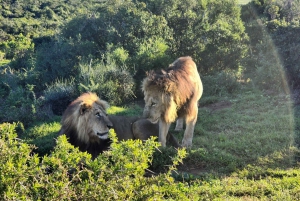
column 173, row 94
column 86, row 125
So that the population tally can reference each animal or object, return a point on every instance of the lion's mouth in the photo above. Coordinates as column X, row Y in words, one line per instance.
column 102, row 135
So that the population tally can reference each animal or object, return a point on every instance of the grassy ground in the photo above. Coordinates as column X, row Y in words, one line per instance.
column 244, row 147
column 249, row 129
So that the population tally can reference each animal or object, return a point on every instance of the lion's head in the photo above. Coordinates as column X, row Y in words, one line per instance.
column 159, row 97
column 85, row 121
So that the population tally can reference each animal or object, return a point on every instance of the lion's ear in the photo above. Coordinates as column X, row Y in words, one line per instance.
column 84, row 108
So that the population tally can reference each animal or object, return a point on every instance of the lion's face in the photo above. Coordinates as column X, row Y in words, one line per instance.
column 98, row 122
column 85, row 120
column 153, row 109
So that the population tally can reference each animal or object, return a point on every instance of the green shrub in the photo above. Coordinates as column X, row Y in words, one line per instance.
column 68, row 174
column 59, row 95
column 18, row 167
column 117, row 87
column 162, row 159
column 220, row 84
column 56, row 60
column 112, row 83
column 4, row 89
column 19, row 105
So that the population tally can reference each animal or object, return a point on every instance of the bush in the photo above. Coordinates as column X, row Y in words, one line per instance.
column 220, row 84
column 112, row 83
column 117, row 87
column 59, row 95
column 56, row 60
column 19, row 105
column 162, row 159
column 68, row 174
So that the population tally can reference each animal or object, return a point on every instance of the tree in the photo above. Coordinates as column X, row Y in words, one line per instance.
column 210, row 31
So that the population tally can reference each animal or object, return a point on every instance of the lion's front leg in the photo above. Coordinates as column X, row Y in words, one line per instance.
column 163, row 131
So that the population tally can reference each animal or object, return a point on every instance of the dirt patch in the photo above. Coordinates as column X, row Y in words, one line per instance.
column 218, row 106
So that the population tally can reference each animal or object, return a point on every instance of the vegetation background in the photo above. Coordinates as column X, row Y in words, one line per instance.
column 246, row 143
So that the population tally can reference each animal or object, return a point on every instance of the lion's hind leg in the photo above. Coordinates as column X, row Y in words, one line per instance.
column 179, row 124
column 190, row 120
column 188, row 133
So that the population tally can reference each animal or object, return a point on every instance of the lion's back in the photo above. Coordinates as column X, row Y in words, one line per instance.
column 188, row 78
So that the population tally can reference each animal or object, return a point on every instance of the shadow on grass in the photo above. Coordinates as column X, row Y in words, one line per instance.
column 42, row 135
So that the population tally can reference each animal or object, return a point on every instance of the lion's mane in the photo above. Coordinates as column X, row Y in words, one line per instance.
column 77, row 122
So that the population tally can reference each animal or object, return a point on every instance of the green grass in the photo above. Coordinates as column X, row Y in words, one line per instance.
column 42, row 135
column 256, row 130
column 131, row 110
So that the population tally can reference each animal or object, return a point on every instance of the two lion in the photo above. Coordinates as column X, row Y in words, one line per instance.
column 173, row 94
column 86, row 125
column 169, row 95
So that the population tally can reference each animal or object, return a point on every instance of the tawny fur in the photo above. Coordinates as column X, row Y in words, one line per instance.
column 171, row 94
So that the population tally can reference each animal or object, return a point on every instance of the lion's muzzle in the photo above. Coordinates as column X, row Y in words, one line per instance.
column 150, row 117
column 102, row 136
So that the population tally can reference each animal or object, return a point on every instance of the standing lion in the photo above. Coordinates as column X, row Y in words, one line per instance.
column 173, row 94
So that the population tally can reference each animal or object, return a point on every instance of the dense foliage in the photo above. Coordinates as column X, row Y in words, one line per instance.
column 68, row 174
column 273, row 28
column 51, row 51
column 107, row 46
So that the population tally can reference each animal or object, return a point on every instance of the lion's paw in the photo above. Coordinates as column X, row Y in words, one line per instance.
column 178, row 129
column 186, row 143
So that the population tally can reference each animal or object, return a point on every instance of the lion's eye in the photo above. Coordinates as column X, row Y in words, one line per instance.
column 153, row 104
column 98, row 114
